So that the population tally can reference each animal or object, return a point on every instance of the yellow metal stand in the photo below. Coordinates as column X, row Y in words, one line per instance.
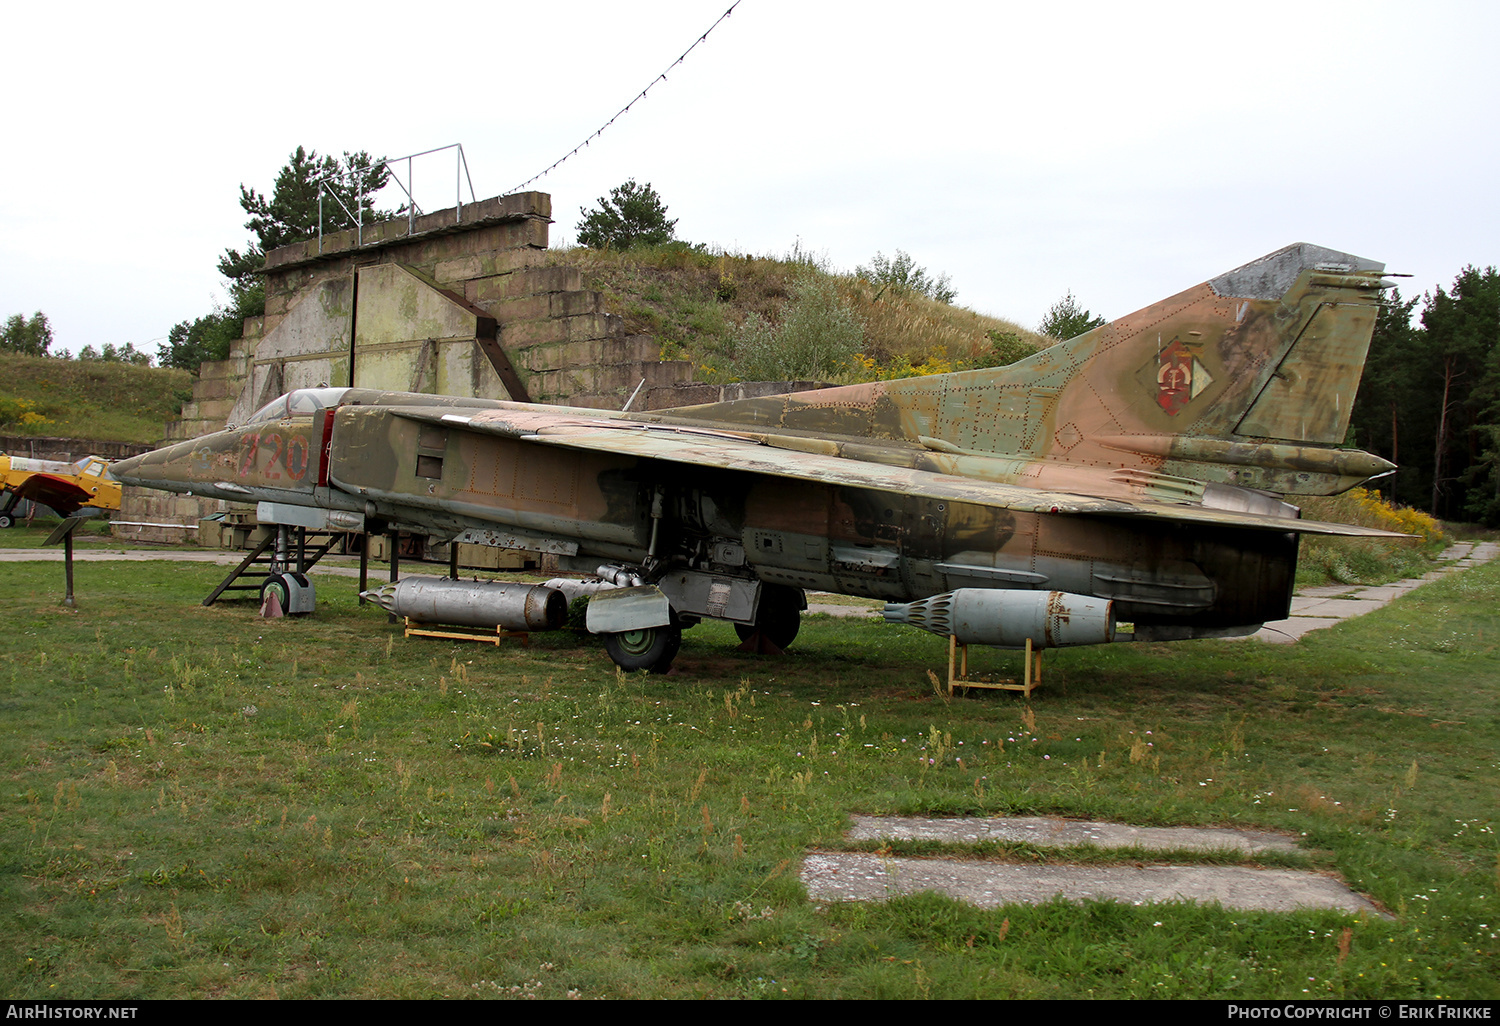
column 415, row 628
column 958, row 671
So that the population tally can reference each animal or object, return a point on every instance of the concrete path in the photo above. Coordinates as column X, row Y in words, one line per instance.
column 862, row 876
column 378, row 570
column 1326, row 605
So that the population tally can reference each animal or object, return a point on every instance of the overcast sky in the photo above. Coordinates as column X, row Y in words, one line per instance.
column 1124, row 151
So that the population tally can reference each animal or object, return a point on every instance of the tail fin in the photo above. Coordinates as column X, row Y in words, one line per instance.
column 1246, row 379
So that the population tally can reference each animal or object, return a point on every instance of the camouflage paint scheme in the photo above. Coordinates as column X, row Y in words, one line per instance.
column 1133, row 463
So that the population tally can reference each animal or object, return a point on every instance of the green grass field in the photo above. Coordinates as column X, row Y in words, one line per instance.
column 199, row 803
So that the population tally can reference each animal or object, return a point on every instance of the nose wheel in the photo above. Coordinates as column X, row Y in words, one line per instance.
column 294, row 593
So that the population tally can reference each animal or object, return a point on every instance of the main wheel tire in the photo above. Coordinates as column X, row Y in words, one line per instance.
column 6, row 520
column 651, row 648
column 778, row 618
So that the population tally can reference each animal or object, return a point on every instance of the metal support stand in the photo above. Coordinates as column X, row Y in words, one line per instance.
column 63, row 532
column 958, row 671
column 68, row 570
column 416, row 628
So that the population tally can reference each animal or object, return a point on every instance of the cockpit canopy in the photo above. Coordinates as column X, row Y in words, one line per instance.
column 92, row 465
column 304, row 402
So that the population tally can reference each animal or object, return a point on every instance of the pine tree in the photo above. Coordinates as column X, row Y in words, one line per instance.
column 1387, row 417
column 1463, row 330
column 633, row 215
column 1066, row 320
column 291, row 213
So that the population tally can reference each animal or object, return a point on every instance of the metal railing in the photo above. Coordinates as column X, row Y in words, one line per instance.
column 326, row 186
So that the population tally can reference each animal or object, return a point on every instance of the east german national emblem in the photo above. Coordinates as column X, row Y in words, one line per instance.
column 1180, row 377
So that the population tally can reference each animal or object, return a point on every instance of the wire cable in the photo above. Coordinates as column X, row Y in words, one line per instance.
column 638, row 98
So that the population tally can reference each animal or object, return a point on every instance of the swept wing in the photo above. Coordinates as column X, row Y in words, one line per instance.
column 774, row 455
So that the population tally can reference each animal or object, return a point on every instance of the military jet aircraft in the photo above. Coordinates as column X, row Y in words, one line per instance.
column 1131, row 474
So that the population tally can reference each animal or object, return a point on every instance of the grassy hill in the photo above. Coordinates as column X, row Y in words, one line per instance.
column 113, row 402
column 713, row 309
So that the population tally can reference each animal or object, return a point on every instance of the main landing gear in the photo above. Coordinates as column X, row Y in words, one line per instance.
column 778, row 617
column 777, row 620
column 649, row 648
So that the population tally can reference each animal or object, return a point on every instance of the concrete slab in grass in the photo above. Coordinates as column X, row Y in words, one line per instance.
column 862, row 876
column 858, row 876
column 1050, row 832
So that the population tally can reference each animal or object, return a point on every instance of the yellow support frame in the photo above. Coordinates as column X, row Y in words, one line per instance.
column 416, row 628
column 958, row 671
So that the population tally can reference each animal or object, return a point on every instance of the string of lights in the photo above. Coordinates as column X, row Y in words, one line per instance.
column 638, row 98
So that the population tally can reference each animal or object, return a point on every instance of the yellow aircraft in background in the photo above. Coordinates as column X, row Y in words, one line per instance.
column 65, row 487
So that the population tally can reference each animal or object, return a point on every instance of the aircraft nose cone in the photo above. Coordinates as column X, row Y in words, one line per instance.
column 128, row 471
column 170, row 469
column 119, row 470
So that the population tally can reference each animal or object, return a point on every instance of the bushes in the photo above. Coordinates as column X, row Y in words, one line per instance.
column 902, row 276
column 818, row 337
column 1366, row 560
column 721, row 309
column 20, row 413
column 1067, row 320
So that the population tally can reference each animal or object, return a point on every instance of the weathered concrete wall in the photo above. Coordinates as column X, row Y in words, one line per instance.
column 465, row 305
column 414, row 336
column 140, row 507
column 308, row 347
column 66, row 450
